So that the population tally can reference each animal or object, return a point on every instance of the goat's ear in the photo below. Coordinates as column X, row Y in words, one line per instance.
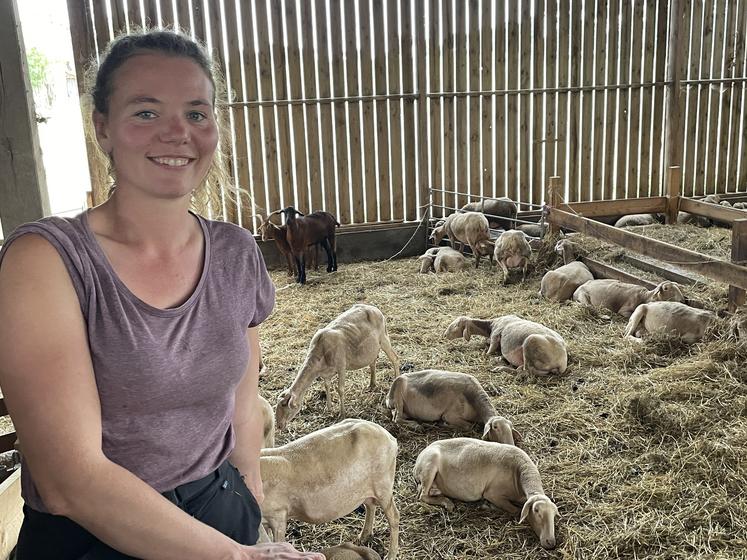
column 486, row 431
column 283, row 398
column 517, row 436
column 525, row 511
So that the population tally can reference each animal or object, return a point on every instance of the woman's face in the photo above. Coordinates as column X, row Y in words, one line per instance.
column 160, row 130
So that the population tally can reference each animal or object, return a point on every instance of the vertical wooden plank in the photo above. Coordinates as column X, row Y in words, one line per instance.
column 420, row 33
column 610, row 98
column 313, row 147
column 23, row 190
column 673, row 128
column 487, row 31
column 150, row 14
column 264, row 60
column 198, row 20
column 462, row 116
column 598, row 98
column 525, row 102
column 695, row 8
column 325, row 109
column 408, row 111
column 738, row 256
column 301, row 191
column 449, row 104
column 587, row 128
column 622, row 102
column 381, row 112
column 285, row 160
column 726, row 70
column 134, row 14
column 636, row 95
column 574, row 141
column 167, row 14
column 369, row 126
column 182, row 15
column 563, row 80
column 354, row 112
column 395, row 110
column 551, row 100
column 657, row 143
column 340, row 118
column 473, row 65
column 101, row 23
column 435, row 135
column 253, row 115
column 119, row 17
column 647, row 70
column 701, row 145
column 512, row 101
column 736, row 130
column 499, row 75
column 538, row 137
column 714, row 98
column 236, row 93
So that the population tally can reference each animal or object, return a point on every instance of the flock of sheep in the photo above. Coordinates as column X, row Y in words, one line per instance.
column 329, row 473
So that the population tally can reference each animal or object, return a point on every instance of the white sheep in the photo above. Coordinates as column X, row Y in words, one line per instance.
column 740, row 205
column 559, row 284
column 329, row 473
column 349, row 551
column 622, row 297
column 449, row 260
column 268, row 422
column 636, row 220
column 669, row 317
column 534, row 230
column 526, row 345
column 500, row 212
column 427, row 258
column 512, row 250
column 469, row 228
column 351, row 341
column 456, row 398
column 470, row 470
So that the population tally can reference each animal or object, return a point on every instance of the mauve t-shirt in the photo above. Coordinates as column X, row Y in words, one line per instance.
column 166, row 377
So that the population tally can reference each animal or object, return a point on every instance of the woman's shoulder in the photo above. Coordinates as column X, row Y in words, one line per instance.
column 43, row 239
column 226, row 234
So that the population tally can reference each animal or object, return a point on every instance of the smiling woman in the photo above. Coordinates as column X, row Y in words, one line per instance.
column 144, row 317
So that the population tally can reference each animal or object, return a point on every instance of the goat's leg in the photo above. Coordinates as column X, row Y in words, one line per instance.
column 330, row 263
column 301, row 264
column 368, row 524
column 340, row 392
column 372, row 370
column 291, row 268
column 505, row 271
column 333, row 248
column 386, row 346
column 429, row 492
column 328, row 394
column 392, row 516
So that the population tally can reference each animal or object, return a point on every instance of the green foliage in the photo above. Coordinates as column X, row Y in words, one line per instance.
column 38, row 65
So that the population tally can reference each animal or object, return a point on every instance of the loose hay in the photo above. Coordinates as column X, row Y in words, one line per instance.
column 642, row 446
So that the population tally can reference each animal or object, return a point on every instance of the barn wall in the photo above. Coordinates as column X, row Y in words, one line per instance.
column 359, row 107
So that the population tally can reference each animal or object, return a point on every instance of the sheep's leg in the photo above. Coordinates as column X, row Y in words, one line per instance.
column 328, row 394
column 429, row 493
column 524, row 270
column 495, row 344
column 505, row 271
column 386, row 346
column 392, row 516
column 455, row 420
column 372, row 376
column 367, row 530
column 341, row 391
column 501, row 501
column 477, row 253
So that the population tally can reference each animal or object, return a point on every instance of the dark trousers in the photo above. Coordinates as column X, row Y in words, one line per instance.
column 221, row 500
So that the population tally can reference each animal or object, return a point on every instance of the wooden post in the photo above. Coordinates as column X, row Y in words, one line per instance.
column 422, row 116
column 673, row 120
column 738, row 256
column 552, row 198
column 23, row 184
column 674, row 183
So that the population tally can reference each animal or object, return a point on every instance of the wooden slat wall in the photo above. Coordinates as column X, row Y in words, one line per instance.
column 324, row 98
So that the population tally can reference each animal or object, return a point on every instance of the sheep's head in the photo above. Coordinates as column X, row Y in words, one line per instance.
column 457, row 329
column 439, row 232
column 426, row 264
column 500, row 430
column 569, row 250
column 286, row 410
column 738, row 326
column 668, row 291
column 541, row 513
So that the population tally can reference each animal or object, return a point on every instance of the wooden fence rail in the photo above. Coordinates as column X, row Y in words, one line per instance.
column 359, row 107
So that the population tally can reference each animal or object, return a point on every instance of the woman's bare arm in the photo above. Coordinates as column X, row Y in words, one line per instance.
column 48, row 383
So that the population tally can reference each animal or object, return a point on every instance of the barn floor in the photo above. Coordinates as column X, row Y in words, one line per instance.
column 642, row 447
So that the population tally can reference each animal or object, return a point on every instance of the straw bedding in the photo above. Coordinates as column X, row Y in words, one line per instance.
column 643, row 447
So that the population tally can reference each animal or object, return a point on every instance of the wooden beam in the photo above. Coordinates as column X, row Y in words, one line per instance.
column 11, row 510
column 738, row 256
column 602, row 270
column 23, row 188
column 713, row 211
column 653, row 204
column 665, row 273
column 674, row 187
column 710, row 267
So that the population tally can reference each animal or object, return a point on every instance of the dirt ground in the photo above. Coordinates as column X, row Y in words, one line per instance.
column 642, row 447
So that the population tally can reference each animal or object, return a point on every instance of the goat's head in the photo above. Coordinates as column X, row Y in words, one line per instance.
column 668, row 291
column 267, row 229
column 287, row 408
column 458, row 329
column 500, row 430
column 541, row 513
column 439, row 232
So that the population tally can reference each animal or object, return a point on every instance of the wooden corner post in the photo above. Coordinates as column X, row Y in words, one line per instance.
column 552, row 198
column 674, row 182
column 738, row 256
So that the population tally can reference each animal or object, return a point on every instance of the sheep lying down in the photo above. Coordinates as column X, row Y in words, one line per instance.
column 470, row 470
column 669, row 317
column 327, row 474
column 455, row 398
column 524, row 344
column 622, row 297
column 349, row 551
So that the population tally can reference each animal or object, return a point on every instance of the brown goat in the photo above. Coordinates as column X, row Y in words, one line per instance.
column 279, row 234
column 317, row 227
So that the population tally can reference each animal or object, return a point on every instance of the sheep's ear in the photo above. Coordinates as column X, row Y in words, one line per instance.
column 486, row 431
column 525, row 511
column 516, row 435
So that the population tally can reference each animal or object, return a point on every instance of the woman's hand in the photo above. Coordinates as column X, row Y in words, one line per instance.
column 277, row 551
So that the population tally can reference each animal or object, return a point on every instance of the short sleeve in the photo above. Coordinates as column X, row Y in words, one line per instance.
column 264, row 290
